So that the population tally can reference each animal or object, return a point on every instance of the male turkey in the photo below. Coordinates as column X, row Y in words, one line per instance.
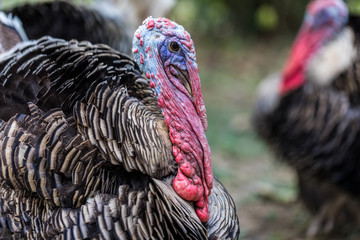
column 92, row 150
column 310, row 114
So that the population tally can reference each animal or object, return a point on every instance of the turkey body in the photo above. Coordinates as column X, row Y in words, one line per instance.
column 315, row 126
column 307, row 130
column 86, row 153
column 61, row 19
column 318, row 146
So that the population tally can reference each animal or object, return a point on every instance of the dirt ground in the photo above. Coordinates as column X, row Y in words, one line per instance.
column 264, row 190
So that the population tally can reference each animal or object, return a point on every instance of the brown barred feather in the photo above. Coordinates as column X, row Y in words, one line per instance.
column 221, row 203
column 105, row 124
column 55, row 73
column 53, row 170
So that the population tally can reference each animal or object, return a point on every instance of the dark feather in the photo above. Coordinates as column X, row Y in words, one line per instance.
column 62, row 19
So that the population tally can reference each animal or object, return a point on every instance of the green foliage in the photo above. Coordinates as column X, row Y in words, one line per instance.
column 267, row 17
column 354, row 6
column 226, row 18
column 204, row 17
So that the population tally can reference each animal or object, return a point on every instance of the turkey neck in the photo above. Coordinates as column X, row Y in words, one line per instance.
column 191, row 150
column 166, row 54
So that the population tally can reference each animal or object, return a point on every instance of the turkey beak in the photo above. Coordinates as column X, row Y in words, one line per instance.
column 185, row 80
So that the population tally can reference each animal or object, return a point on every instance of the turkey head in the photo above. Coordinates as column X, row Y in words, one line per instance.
column 165, row 53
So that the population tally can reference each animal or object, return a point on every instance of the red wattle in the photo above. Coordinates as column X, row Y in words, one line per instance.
column 186, row 188
column 296, row 81
column 199, row 102
column 186, row 120
column 203, row 213
column 308, row 42
column 187, row 169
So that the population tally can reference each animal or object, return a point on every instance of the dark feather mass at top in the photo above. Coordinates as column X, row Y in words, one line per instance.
column 309, row 115
column 89, row 151
column 61, row 19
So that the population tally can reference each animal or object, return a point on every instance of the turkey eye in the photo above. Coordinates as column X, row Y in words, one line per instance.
column 174, row 47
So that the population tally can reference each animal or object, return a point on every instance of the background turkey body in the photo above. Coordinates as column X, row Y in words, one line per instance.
column 109, row 22
column 86, row 152
column 314, row 124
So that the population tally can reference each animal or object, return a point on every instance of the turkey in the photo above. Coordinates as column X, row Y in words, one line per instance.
column 309, row 114
column 90, row 149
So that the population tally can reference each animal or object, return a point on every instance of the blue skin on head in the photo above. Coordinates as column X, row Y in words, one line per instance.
column 177, row 58
column 326, row 13
column 153, row 41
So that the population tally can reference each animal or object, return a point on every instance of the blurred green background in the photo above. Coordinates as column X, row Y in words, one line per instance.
column 238, row 43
